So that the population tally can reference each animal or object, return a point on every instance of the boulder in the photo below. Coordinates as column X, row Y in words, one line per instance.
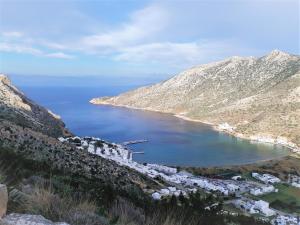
column 3, row 200
column 24, row 219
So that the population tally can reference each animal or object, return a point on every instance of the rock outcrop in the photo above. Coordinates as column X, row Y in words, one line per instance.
column 3, row 200
column 256, row 96
column 27, row 219
column 17, row 108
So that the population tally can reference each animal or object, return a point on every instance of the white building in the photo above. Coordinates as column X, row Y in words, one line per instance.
column 285, row 220
column 156, row 196
column 263, row 190
column 294, row 184
column 226, row 127
column 232, row 187
column 172, row 189
column 268, row 189
column 164, row 192
column 294, row 180
column 266, row 178
column 256, row 191
column 161, row 168
column 263, row 207
column 254, row 207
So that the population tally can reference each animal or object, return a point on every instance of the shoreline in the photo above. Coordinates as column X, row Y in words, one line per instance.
column 237, row 135
column 293, row 150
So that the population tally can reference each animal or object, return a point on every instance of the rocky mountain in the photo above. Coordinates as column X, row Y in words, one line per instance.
column 255, row 96
column 17, row 108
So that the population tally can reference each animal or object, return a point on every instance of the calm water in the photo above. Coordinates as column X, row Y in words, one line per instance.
column 172, row 141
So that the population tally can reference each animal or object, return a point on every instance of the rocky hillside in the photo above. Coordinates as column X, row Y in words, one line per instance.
column 17, row 108
column 256, row 96
column 51, row 153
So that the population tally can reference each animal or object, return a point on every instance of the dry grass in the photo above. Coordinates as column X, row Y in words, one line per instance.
column 169, row 220
column 125, row 213
column 43, row 201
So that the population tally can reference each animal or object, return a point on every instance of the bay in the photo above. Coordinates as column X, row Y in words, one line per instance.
column 171, row 140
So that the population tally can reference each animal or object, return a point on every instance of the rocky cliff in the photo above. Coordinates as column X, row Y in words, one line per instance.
column 255, row 96
column 17, row 108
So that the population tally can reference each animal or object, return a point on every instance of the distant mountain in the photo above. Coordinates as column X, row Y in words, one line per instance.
column 255, row 96
column 17, row 108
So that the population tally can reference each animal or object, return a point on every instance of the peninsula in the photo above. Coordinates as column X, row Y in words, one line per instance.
column 252, row 98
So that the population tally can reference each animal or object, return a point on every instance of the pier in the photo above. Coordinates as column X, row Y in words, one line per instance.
column 134, row 142
column 140, row 152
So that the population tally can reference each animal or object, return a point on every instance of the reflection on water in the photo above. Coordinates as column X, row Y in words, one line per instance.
column 172, row 141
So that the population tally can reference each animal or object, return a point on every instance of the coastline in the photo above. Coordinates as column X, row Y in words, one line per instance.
column 293, row 149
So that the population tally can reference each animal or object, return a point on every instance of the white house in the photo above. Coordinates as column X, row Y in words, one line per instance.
column 285, row 220
column 256, row 191
column 267, row 189
column 232, row 187
column 253, row 207
column 172, row 189
column 294, row 180
column 164, row 192
column 226, row 127
column 262, row 190
column 156, row 196
column 266, row 178
column 263, row 207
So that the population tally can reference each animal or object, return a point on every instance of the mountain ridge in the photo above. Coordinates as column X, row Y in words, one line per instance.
column 17, row 108
column 256, row 96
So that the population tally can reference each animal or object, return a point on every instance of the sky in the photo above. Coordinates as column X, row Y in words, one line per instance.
column 134, row 38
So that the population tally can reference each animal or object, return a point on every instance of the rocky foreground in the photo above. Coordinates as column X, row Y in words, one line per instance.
column 254, row 98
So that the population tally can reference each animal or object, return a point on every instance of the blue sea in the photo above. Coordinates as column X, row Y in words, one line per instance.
column 171, row 141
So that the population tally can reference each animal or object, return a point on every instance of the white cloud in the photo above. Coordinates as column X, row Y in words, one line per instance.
column 158, row 52
column 142, row 24
column 52, row 45
column 12, row 34
column 59, row 55
column 140, row 40
column 23, row 49
column 180, row 55
column 19, row 48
